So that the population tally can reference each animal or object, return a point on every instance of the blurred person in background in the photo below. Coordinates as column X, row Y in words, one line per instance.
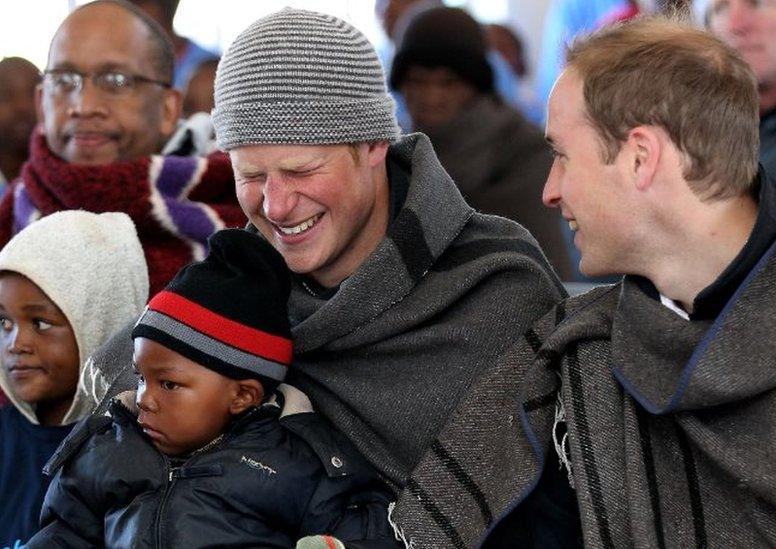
column 498, row 159
column 750, row 28
column 18, row 78
column 508, row 45
column 188, row 54
column 504, row 42
column 396, row 16
column 198, row 96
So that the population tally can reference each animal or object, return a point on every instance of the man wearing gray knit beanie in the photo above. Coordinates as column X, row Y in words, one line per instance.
column 402, row 293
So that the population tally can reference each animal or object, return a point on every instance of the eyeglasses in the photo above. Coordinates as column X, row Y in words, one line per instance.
column 112, row 82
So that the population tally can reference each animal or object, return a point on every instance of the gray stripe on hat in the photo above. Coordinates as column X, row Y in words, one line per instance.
column 302, row 77
column 213, row 347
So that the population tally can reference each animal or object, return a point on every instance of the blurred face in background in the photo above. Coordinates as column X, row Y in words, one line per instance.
column 18, row 79
column 749, row 26
column 435, row 95
column 199, row 90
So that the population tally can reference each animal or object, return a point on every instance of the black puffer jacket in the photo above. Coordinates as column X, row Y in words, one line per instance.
column 268, row 482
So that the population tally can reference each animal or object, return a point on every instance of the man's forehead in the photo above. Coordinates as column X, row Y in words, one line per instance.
column 104, row 34
column 262, row 157
column 566, row 105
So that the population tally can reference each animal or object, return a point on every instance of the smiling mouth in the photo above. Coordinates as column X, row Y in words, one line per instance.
column 90, row 139
column 302, row 227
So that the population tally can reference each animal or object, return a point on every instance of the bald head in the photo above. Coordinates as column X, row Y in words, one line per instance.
column 159, row 51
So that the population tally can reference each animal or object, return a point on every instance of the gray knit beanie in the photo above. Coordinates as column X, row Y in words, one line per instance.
column 300, row 77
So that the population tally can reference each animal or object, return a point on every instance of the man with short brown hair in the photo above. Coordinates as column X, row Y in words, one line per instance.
column 656, row 394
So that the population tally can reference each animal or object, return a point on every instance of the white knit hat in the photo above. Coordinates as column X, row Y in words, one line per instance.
column 300, row 77
column 93, row 268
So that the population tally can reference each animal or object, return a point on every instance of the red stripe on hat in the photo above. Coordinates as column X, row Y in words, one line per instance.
column 330, row 543
column 223, row 329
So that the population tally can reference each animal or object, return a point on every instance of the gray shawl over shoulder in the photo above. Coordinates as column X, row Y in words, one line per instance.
column 446, row 291
column 671, row 426
column 387, row 358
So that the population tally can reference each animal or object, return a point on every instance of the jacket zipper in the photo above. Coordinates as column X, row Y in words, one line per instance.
column 171, row 476
column 173, row 473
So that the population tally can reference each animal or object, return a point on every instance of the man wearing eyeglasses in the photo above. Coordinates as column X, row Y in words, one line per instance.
column 110, row 139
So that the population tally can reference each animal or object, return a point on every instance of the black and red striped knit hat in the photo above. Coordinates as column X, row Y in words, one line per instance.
column 227, row 312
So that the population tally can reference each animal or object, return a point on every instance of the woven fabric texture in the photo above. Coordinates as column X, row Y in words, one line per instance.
column 301, row 77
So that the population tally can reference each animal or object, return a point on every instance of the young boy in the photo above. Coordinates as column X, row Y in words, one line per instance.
column 67, row 282
column 214, row 456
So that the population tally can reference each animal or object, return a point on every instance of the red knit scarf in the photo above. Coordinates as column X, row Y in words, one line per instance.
column 175, row 202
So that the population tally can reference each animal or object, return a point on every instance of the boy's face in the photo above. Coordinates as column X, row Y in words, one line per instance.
column 184, row 405
column 39, row 350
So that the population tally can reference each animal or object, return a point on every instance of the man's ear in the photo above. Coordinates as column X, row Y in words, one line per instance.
column 376, row 153
column 39, row 113
column 172, row 106
column 250, row 392
column 646, row 147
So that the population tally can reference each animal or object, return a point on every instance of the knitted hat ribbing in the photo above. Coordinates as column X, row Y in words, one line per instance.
column 300, row 77
column 227, row 312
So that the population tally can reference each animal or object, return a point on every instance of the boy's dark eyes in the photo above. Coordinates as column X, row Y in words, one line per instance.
column 168, row 385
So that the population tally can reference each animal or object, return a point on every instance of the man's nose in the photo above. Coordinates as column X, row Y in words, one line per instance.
column 551, row 192
column 279, row 199
column 740, row 17
column 88, row 100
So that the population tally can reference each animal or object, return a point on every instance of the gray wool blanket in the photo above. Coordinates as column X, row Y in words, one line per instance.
column 447, row 290
column 671, row 426
column 388, row 357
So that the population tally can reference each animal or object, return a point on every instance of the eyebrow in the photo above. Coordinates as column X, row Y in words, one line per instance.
column 38, row 308
column 34, row 308
column 163, row 369
column 104, row 67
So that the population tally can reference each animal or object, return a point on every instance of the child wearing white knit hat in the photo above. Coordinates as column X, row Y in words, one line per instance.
column 67, row 283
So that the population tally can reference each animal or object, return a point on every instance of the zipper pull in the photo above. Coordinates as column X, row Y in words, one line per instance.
column 173, row 472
